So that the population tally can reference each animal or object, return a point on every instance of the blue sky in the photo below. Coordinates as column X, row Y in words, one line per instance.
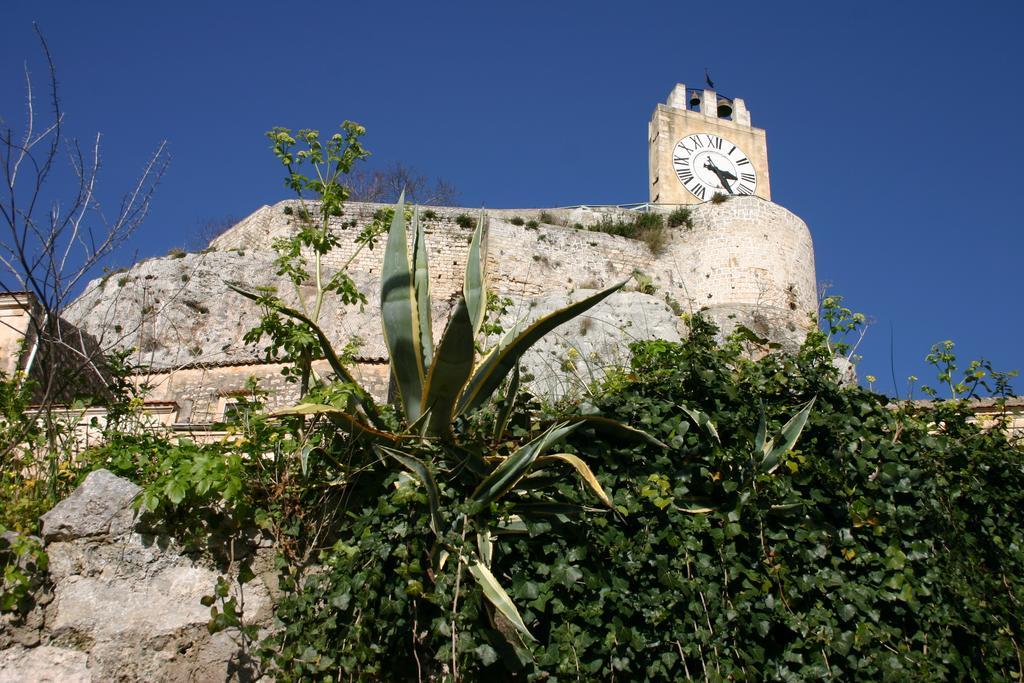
column 893, row 128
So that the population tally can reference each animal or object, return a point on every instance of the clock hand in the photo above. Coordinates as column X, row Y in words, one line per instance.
column 723, row 176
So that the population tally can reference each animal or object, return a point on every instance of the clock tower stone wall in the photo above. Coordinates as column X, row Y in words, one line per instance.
column 678, row 118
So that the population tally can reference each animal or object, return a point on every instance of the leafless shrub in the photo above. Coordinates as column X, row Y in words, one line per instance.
column 55, row 235
column 386, row 185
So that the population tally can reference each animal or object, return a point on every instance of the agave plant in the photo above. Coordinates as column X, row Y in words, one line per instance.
column 440, row 387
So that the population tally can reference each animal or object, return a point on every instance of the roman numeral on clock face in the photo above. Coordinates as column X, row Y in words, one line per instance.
column 698, row 190
column 748, row 177
column 715, row 142
column 743, row 189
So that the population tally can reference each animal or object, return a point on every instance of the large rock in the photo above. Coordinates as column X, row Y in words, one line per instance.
column 177, row 311
column 583, row 350
column 126, row 603
column 45, row 664
column 100, row 507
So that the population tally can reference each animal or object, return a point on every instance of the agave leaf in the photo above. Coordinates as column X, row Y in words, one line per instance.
column 307, row 448
column 505, row 411
column 345, row 420
column 586, row 474
column 701, row 420
column 362, row 397
column 612, row 428
column 514, row 467
column 399, row 316
column 485, row 544
column 497, row 364
column 420, row 424
column 548, row 509
column 496, row 595
column 762, row 434
column 463, row 457
column 473, row 288
column 449, row 372
column 789, row 434
column 538, row 481
column 421, row 283
column 422, row 472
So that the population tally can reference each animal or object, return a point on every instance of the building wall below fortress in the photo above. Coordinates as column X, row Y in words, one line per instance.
column 203, row 394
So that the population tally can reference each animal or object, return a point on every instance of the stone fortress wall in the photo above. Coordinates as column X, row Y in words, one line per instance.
column 743, row 261
column 740, row 255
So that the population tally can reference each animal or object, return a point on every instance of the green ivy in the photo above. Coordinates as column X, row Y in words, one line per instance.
column 882, row 547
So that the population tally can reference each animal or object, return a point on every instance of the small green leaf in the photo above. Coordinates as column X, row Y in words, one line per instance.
column 245, row 574
column 175, row 491
column 486, row 654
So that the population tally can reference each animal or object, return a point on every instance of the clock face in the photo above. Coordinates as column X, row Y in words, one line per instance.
column 707, row 164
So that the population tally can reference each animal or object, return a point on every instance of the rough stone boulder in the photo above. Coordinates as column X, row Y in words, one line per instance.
column 567, row 360
column 101, row 507
column 126, row 602
column 44, row 664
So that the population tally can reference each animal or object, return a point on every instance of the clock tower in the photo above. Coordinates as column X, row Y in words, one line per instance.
column 701, row 144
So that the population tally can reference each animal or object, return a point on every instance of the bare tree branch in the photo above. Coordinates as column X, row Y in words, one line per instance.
column 386, row 185
column 49, row 252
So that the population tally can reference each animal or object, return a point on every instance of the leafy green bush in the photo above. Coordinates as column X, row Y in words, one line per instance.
column 516, row 220
column 680, row 217
column 23, row 563
column 880, row 548
column 37, row 464
column 646, row 227
column 644, row 283
column 532, row 225
column 464, row 221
